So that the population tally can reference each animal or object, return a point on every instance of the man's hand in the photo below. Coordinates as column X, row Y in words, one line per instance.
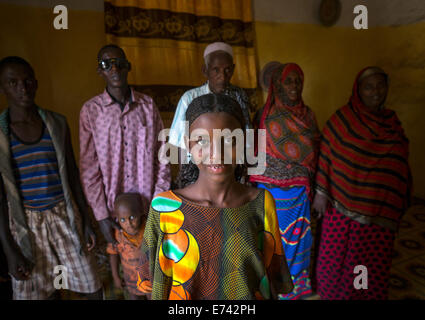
column 19, row 267
column 107, row 228
column 320, row 203
column 89, row 236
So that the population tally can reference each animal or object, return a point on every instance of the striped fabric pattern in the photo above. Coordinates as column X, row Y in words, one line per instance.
column 363, row 166
column 36, row 170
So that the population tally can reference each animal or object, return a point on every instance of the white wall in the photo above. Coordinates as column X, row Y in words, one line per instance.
column 381, row 12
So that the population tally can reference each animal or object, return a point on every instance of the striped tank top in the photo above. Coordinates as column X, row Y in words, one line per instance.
column 36, row 172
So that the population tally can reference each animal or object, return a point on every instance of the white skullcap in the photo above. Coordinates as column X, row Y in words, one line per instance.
column 218, row 46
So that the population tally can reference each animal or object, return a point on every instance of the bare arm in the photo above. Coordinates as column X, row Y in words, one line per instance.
column 162, row 174
column 77, row 191
column 276, row 264
column 19, row 267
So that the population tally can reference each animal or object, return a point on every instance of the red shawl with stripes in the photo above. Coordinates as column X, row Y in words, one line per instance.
column 363, row 164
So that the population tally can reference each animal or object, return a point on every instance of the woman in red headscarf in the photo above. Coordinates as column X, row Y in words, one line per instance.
column 292, row 137
column 363, row 187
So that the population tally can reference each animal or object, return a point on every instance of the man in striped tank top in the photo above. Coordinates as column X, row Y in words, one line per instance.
column 44, row 221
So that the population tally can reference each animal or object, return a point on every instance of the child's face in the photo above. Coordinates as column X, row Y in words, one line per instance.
column 18, row 84
column 129, row 221
column 116, row 77
column 205, row 151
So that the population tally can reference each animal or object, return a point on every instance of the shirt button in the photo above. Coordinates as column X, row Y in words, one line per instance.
column 125, row 143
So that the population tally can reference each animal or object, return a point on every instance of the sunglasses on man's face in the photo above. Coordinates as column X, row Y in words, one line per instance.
column 120, row 63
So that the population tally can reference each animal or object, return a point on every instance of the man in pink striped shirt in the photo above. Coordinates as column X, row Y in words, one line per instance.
column 119, row 142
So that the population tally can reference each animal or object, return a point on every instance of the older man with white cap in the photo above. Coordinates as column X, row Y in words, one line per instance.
column 218, row 69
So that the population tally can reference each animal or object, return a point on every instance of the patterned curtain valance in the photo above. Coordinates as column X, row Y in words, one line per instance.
column 165, row 24
column 165, row 40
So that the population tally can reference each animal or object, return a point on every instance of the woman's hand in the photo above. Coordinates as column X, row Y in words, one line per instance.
column 320, row 204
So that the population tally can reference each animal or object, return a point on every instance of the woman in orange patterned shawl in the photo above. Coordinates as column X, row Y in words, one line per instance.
column 292, row 137
column 363, row 187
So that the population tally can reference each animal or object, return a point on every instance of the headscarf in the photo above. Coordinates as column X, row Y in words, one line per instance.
column 363, row 164
column 292, row 135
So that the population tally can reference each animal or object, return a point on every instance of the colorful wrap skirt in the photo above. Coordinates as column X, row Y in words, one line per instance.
column 293, row 214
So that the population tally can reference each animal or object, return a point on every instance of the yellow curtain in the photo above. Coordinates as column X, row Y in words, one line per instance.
column 165, row 40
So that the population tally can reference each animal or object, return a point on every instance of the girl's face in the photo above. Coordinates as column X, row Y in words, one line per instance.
column 210, row 150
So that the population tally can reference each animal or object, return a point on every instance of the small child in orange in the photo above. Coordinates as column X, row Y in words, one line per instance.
column 131, row 214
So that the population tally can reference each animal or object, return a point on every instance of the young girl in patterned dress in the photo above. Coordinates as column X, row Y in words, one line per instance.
column 215, row 238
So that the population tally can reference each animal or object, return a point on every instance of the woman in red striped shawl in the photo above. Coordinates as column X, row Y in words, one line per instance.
column 363, row 187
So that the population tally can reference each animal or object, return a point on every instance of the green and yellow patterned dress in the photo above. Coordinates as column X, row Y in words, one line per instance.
column 196, row 252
